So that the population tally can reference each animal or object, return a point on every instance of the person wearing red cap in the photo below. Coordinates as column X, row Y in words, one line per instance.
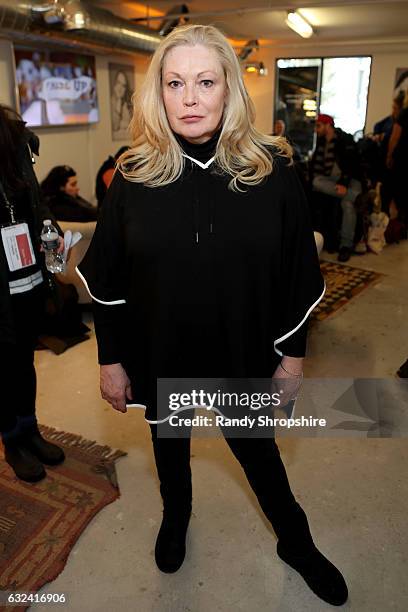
column 326, row 119
column 336, row 172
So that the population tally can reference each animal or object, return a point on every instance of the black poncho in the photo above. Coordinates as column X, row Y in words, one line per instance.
column 195, row 280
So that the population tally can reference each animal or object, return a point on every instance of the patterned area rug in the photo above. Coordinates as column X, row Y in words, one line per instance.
column 343, row 283
column 40, row 523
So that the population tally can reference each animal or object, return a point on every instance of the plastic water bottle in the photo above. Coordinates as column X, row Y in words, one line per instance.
column 49, row 238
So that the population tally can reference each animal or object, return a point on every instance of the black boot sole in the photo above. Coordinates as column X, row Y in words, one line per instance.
column 32, row 448
column 30, row 479
column 299, row 565
column 27, row 478
column 48, row 462
column 169, row 568
column 170, row 565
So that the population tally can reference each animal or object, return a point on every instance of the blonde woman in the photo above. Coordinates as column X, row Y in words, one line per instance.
column 203, row 264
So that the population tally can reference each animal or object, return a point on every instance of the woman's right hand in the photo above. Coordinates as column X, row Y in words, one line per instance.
column 115, row 386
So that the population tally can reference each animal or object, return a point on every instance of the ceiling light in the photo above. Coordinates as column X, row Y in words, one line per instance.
column 299, row 24
column 262, row 70
column 256, row 67
column 76, row 16
column 309, row 105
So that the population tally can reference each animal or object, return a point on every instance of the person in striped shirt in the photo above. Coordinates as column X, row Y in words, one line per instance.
column 336, row 172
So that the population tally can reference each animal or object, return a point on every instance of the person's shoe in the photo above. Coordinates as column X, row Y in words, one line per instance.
column 344, row 254
column 403, row 371
column 321, row 576
column 170, row 547
column 25, row 465
column 45, row 451
column 331, row 246
column 360, row 248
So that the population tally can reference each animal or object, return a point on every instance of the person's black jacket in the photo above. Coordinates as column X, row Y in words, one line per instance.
column 345, row 155
column 28, row 146
column 384, row 126
column 6, row 322
column 68, row 208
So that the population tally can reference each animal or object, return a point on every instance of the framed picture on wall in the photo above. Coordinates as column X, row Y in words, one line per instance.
column 121, row 88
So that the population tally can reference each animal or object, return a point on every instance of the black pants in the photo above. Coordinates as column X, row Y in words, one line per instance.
column 19, row 383
column 263, row 466
column 400, row 189
column 395, row 188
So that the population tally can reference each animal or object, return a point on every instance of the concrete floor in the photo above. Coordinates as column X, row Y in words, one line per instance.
column 354, row 491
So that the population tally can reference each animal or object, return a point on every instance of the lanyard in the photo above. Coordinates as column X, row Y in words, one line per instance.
column 8, row 204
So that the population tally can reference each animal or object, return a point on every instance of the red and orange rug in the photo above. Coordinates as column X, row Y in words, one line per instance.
column 40, row 523
column 343, row 283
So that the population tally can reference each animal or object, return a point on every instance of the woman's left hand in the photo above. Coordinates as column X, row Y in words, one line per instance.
column 287, row 380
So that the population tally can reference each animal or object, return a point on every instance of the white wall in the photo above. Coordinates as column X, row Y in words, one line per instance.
column 7, row 95
column 384, row 64
column 382, row 85
column 82, row 147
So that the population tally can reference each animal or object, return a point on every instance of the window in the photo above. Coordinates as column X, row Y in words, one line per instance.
column 344, row 91
column 337, row 86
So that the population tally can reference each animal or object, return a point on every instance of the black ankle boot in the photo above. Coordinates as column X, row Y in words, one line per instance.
column 323, row 578
column 45, row 451
column 170, row 547
column 25, row 465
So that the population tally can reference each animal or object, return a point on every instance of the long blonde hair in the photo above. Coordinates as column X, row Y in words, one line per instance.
column 155, row 157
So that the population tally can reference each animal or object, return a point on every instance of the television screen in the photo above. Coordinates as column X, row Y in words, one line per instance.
column 56, row 87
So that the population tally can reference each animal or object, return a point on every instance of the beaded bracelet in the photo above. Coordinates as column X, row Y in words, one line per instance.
column 291, row 373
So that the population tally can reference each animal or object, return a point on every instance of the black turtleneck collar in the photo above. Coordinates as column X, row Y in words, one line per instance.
column 201, row 152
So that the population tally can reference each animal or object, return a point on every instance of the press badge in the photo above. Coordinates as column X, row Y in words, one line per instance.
column 17, row 246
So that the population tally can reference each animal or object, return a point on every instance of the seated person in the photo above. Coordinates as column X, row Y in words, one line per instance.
column 335, row 171
column 105, row 175
column 279, row 129
column 61, row 192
